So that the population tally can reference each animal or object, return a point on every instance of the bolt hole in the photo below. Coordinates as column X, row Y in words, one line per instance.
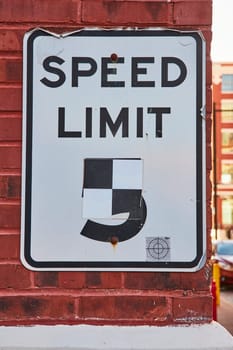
column 114, row 57
column 114, row 240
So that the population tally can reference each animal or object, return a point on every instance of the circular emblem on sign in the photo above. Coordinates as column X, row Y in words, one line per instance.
column 158, row 248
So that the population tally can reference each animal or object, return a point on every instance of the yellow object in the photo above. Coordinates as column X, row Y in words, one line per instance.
column 216, row 278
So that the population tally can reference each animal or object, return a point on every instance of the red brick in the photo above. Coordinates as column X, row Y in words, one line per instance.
column 72, row 280
column 208, row 130
column 192, row 309
column 9, row 215
column 152, row 280
column 10, row 129
column 208, row 157
column 10, row 70
column 208, row 74
column 94, row 306
column 39, row 11
column 36, row 308
column 9, row 244
column 126, row 12
column 147, row 308
column 209, row 216
column 95, row 280
column 126, row 308
column 3, row 186
column 209, row 100
column 10, row 99
column 208, row 189
column 14, row 187
column 208, row 38
column 167, row 281
column 107, row 280
column 199, row 280
column 14, row 276
column 10, row 186
column 209, row 251
column 10, row 157
column 11, row 39
column 192, row 13
column 111, row 280
column 46, row 279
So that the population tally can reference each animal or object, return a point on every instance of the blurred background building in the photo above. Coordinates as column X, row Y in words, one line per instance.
column 222, row 150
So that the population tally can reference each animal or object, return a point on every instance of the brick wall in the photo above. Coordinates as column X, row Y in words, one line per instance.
column 28, row 297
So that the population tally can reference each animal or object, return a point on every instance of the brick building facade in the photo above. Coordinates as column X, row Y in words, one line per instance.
column 97, row 298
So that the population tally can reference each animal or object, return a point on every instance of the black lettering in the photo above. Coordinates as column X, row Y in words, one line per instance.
column 159, row 111
column 106, row 71
column 54, row 70
column 61, row 125
column 165, row 82
column 76, row 72
column 139, row 122
column 88, row 122
column 137, row 71
column 122, row 119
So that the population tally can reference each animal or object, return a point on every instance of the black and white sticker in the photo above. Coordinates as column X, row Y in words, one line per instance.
column 113, row 189
column 158, row 248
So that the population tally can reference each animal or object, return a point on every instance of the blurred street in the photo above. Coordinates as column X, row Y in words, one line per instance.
column 225, row 309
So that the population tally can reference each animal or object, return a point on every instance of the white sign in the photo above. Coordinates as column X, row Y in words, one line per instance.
column 114, row 151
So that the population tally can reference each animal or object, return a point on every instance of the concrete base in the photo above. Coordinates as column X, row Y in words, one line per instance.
column 84, row 337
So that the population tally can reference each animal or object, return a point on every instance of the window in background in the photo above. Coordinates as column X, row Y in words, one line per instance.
column 227, row 111
column 227, row 211
column 227, row 141
column 227, row 173
column 227, row 82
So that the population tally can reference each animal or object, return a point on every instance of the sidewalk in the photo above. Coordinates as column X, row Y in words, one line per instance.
column 211, row 336
column 225, row 315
